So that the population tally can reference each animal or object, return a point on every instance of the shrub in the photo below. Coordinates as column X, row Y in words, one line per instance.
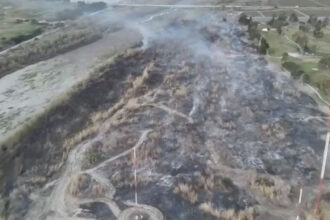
column 227, row 214
column 306, row 78
column 244, row 20
column 187, row 192
column 293, row 68
column 325, row 22
column 293, row 18
column 324, row 63
column 285, row 57
column 304, row 28
column 263, row 46
column 253, row 31
column 23, row 37
column 318, row 33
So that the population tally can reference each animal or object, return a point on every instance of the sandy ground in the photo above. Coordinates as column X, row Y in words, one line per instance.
column 27, row 92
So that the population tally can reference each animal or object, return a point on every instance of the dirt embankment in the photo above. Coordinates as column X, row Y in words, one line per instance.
column 196, row 158
column 73, row 35
column 39, row 154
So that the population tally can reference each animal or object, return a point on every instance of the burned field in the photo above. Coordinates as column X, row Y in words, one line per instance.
column 217, row 135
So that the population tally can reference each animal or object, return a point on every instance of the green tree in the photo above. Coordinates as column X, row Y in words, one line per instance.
column 244, row 19
column 301, row 39
column 272, row 21
column 325, row 22
column 293, row 17
column 263, row 46
column 312, row 20
column 283, row 17
column 253, row 31
column 318, row 33
column 279, row 29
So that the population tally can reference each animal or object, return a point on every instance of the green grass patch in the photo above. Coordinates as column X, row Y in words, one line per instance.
column 311, row 74
column 14, row 25
column 278, row 44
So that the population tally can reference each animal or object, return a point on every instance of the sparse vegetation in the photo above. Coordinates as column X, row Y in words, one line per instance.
column 83, row 185
column 51, row 44
column 82, row 7
column 293, row 17
column 294, row 69
column 187, row 192
column 324, row 213
column 227, row 214
column 93, row 155
column 15, row 26
column 263, row 46
column 325, row 62
column 273, row 188
column 266, row 186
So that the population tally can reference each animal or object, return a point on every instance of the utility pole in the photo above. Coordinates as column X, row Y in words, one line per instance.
column 135, row 177
column 299, row 203
column 325, row 157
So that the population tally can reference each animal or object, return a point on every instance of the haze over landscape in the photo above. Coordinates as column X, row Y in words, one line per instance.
column 164, row 109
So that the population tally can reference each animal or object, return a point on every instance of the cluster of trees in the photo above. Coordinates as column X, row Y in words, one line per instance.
column 316, row 25
column 278, row 22
column 61, row 41
column 82, row 7
column 313, row 23
column 244, row 19
column 254, row 33
column 303, row 41
column 282, row 20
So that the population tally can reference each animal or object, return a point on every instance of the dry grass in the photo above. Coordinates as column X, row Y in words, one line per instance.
column 323, row 215
column 273, row 188
column 229, row 214
column 80, row 136
column 82, row 185
column 206, row 182
column 187, row 192
column 266, row 186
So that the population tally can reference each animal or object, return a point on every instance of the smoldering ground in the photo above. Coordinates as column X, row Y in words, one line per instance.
column 218, row 134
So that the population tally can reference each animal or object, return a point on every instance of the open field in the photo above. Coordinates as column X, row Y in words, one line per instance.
column 19, row 20
column 308, row 63
column 11, row 29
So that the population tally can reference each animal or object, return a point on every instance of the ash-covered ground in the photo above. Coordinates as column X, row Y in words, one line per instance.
column 218, row 134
